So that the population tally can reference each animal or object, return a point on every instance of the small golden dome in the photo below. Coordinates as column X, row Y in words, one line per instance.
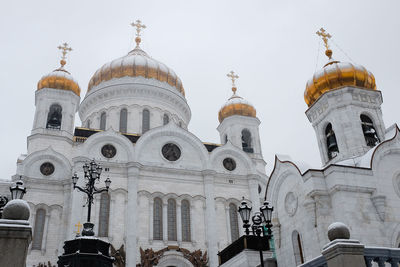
column 136, row 63
column 59, row 79
column 236, row 105
column 335, row 75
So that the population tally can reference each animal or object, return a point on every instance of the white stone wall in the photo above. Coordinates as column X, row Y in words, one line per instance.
column 342, row 108
column 191, row 178
column 364, row 198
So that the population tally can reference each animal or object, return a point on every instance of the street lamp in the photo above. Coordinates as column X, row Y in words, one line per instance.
column 92, row 173
column 17, row 190
column 259, row 217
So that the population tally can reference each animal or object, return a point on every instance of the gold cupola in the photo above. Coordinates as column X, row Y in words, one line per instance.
column 136, row 63
column 335, row 75
column 60, row 78
column 236, row 105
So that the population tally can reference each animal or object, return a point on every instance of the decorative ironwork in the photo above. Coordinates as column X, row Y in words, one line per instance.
column 47, row 168
column 229, row 164
column 92, row 174
column 119, row 255
column 108, row 151
column 171, row 152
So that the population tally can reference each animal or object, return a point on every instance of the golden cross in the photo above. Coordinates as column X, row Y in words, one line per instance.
column 139, row 26
column 65, row 49
column 233, row 77
column 325, row 36
column 79, row 226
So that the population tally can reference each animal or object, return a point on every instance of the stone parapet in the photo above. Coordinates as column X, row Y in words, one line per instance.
column 15, row 236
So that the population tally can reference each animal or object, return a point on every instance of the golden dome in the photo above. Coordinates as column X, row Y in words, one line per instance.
column 59, row 79
column 136, row 63
column 335, row 75
column 236, row 105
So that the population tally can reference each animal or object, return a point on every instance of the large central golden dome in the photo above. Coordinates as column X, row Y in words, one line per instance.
column 136, row 63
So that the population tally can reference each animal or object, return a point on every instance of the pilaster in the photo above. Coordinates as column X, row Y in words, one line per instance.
column 131, row 216
column 211, row 219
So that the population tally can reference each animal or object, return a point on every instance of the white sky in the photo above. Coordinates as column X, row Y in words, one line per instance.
column 271, row 45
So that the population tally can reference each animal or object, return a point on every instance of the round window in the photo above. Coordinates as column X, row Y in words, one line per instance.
column 47, row 168
column 229, row 164
column 108, row 151
column 171, row 152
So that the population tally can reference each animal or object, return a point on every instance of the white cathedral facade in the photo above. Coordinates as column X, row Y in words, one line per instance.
column 170, row 189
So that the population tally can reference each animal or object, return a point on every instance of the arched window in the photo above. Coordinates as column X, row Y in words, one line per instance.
column 370, row 135
column 145, row 120
column 331, row 142
column 165, row 119
column 171, row 219
column 104, row 215
column 185, row 218
column 297, row 248
column 123, row 120
column 157, row 219
column 246, row 141
column 103, row 121
column 233, row 218
column 88, row 124
column 54, row 117
column 39, row 228
column 225, row 139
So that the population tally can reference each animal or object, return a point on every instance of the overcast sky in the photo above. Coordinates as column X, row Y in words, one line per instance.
column 271, row 45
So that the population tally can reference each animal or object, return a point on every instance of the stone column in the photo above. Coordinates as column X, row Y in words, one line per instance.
column 111, row 217
column 228, row 225
column 165, row 221
column 192, row 226
column 343, row 251
column 15, row 233
column 45, row 231
column 178, row 222
column 131, row 215
column 211, row 218
column 78, row 213
column 254, row 196
column 151, row 212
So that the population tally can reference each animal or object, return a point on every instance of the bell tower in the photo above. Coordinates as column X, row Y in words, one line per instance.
column 56, row 100
column 344, row 109
column 240, row 126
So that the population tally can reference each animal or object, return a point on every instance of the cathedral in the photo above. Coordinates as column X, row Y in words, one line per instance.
column 175, row 196
column 168, row 188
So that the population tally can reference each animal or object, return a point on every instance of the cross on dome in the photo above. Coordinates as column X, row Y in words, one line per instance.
column 64, row 50
column 325, row 36
column 233, row 77
column 139, row 26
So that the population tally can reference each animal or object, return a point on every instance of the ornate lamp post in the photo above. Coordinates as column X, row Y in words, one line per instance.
column 17, row 192
column 259, row 217
column 92, row 175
